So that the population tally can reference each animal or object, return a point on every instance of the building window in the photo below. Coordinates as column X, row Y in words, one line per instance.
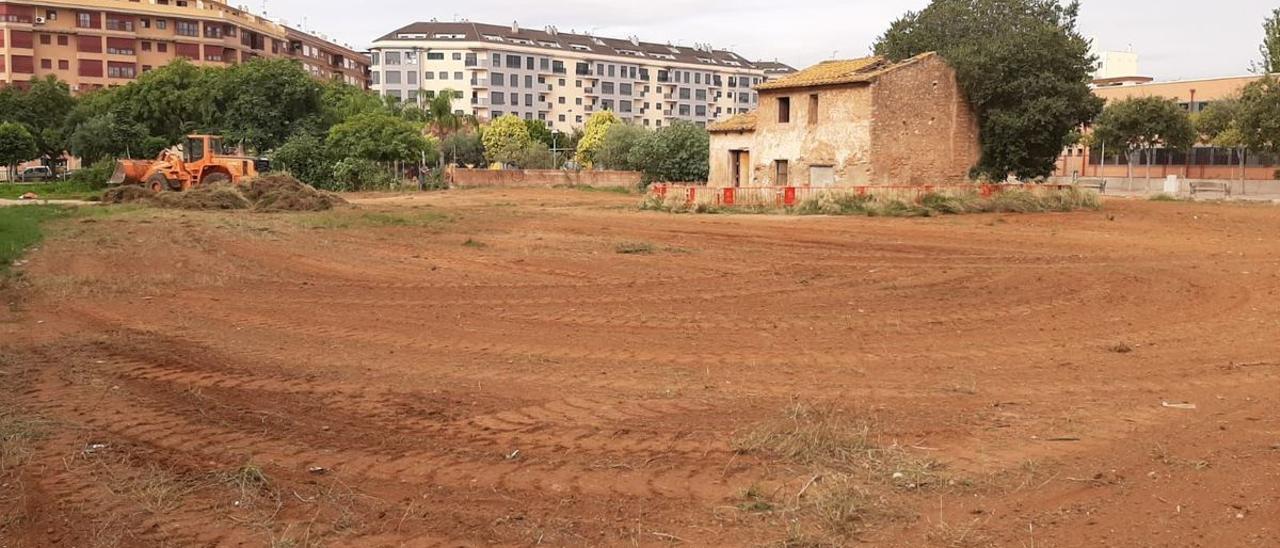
column 411, row 77
column 63, row 40
column 84, row 20
column 435, row 56
column 393, row 77
column 813, row 109
column 780, row 169
column 784, row 110
column 513, row 61
column 393, row 58
column 162, row 24
column 457, row 56
column 457, row 75
column 186, row 28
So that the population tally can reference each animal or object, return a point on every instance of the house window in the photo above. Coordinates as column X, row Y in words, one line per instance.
column 780, row 170
column 84, row 20
column 435, row 56
column 813, row 109
column 784, row 110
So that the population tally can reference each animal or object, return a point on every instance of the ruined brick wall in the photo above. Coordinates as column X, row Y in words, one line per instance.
column 924, row 129
column 721, row 160
column 541, row 178
column 841, row 138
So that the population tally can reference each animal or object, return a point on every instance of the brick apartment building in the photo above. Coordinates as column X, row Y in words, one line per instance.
column 854, row 122
column 563, row 78
column 99, row 43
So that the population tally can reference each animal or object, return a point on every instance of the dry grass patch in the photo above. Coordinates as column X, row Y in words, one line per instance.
column 851, row 482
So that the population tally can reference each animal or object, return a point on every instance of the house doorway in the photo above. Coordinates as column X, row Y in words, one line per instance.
column 740, row 165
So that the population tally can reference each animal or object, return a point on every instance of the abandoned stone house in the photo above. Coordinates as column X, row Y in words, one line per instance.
column 852, row 122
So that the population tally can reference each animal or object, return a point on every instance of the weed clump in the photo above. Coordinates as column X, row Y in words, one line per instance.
column 894, row 203
column 634, row 248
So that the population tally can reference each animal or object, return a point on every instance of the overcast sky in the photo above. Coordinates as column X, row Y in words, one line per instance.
column 1175, row 38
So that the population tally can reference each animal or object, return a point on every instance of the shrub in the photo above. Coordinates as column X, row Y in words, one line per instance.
column 360, row 174
column 95, row 176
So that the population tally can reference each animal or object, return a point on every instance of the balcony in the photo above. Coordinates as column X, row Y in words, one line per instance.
column 589, row 91
column 479, row 82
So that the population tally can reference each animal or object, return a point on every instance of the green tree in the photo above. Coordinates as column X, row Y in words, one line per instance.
column 615, row 150
column 539, row 132
column 340, row 101
column 263, row 102
column 1259, row 115
column 381, row 137
column 505, row 138
column 675, row 153
column 441, row 118
column 593, row 136
column 537, row 155
column 1270, row 48
column 1219, row 125
column 306, row 157
column 463, row 149
column 1023, row 65
column 17, row 145
column 43, row 109
column 107, row 136
column 1144, row 123
column 170, row 102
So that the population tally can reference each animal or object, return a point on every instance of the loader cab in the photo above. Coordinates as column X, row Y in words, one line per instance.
column 199, row 147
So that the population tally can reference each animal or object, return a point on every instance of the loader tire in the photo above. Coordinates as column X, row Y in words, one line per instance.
column 157, row 183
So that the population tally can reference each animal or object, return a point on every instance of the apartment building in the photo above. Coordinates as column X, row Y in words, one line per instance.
column 563, row 78
column 100, row 43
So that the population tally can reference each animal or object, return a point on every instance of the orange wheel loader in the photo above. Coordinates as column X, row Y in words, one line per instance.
column 201, row 162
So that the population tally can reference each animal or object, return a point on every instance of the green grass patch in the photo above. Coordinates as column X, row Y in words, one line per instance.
column 54, row 190
column 341, row 219
column 20, row 228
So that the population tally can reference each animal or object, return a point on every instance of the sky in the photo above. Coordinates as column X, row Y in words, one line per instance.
column 1176, row 39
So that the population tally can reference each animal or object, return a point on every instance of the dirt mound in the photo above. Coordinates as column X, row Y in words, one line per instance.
column 282, row 192
column 272, row 192
column 127, row 194
column 208, row 197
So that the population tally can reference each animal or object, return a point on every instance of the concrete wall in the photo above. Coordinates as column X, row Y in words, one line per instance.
column 923, row 129
column 541, row 177
column 1140, row 185
column 841, row 138
column 721, row 161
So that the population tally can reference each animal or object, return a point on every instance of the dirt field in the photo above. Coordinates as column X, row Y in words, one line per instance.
column 555, row 367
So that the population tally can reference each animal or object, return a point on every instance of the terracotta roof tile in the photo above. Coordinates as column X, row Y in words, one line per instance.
column 847, row 71
column 740, row 122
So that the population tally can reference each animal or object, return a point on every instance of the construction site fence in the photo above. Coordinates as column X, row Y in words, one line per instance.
column 788, row 196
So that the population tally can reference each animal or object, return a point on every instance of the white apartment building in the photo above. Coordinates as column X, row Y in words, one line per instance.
column 563, row 78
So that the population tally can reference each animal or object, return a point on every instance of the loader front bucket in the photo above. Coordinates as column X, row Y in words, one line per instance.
column 129, row 172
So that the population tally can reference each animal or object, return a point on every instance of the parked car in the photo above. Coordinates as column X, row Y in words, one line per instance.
column 38, row 173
